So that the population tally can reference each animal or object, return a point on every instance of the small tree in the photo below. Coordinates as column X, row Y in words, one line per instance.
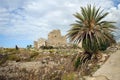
column 29, row 46
column 16, row 47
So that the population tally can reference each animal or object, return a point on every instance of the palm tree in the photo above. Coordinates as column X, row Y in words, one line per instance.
column 92, row 31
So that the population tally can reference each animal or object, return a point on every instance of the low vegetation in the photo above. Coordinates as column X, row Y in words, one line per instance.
column 54, row 64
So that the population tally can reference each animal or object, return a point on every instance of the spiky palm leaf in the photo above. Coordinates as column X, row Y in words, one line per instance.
column 91, row 30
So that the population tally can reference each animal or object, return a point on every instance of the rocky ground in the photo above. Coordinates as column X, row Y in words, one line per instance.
column 43, row 65
column 52, row 65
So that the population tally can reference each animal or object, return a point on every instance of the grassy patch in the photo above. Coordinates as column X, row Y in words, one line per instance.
column 13, row 57
column 34, row 54
column 69, row 76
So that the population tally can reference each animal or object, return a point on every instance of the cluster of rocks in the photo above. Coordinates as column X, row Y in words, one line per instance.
column 113, row 48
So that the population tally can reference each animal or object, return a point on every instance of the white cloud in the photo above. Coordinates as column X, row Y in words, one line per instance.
column 114, row 14
column 34, row 19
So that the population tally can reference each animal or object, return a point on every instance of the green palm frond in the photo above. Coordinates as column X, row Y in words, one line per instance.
column 91, row 30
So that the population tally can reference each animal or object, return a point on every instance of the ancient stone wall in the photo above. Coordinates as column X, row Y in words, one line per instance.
column 40, row 42
column 55, row 39
column 35, row 44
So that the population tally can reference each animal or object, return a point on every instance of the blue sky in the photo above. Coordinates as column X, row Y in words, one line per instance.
column 23, row 21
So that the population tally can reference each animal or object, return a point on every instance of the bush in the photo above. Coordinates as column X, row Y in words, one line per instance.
column 77, row 63
column 34, row 54
column 46, row 47
column 3, row 58
column 10, row 51
column 13, row 57
column 51, row 51
column 104, row 46
column 69, row 76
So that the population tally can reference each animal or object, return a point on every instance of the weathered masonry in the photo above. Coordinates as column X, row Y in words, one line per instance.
column 55, row 39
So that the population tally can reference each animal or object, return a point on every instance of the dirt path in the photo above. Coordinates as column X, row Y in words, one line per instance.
column 111, row 68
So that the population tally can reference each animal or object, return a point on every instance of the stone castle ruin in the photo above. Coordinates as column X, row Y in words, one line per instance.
column 55, row 39
column 40, row 42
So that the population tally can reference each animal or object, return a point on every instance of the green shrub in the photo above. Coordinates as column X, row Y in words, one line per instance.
column 3, row 59
column 51, row 51
column 10, row 51
column 77, row 63
column 46, row 47
column 13, row 57
column 16, row 47
column 34, row 54
column 104, row 46
column 69, row 76
column 95, row 68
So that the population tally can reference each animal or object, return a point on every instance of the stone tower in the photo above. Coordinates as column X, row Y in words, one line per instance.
column 40, row 42
column 55, row 39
